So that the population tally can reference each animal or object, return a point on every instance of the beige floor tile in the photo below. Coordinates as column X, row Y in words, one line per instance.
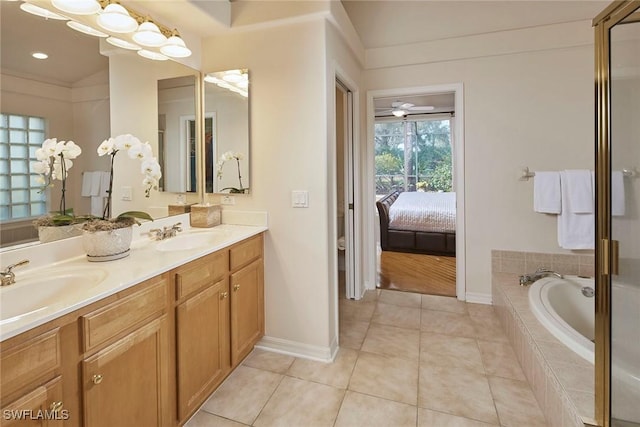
column 404, row 299
column 500, row 360
column 352, row 333
column 301, row 403
column 336, row 374
column 450, row 351
column 393, row 341
column 204, row 419
column 515, row 403
column 368, row 411
column 480, row 310
column 440, row 303
column 443, row 322
column 371, row 295
column 428, row 418
column 489, row 328
column 393, row 315
column 269, row 361
column 356, row 310
column 388, row 377
column 243, row 394
column 461, row 392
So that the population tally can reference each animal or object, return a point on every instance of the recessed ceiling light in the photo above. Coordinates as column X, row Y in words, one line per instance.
column 39, row 55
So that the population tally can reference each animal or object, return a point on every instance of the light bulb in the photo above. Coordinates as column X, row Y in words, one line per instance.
column 77, row 7
column 116, row 18
column 175, row 48
column 149, row 34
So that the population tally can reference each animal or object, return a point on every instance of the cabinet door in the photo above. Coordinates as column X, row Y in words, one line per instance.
column 126, row 383
column 247, row 310
column 202, row 325
column 40, row 407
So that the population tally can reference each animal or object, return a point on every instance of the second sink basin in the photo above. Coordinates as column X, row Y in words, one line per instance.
column 35, row 292
column 192, row 240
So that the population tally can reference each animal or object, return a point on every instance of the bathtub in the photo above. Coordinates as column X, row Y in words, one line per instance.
column 562, row 308
column 569, row 315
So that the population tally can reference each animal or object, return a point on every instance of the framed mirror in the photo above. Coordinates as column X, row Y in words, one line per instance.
column 177, row 142
column 226, row 132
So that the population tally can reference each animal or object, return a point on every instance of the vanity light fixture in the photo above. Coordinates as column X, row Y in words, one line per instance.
column 232, row 76
column 148, row 34
column 152, row 55
column 122, row 43
column 175, row 47
column 77, row 7
column 116, row 18
column 42, row 12
column 86, row 29
column 39, row 55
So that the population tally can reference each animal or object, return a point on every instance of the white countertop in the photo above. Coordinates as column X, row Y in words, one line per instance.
column 144, row 262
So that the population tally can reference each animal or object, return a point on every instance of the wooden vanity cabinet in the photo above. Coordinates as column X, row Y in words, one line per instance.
column 247, row 309
column 202, row 330
column 126, row 365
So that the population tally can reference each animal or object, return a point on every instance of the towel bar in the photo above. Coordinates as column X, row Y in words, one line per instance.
column 525, row 173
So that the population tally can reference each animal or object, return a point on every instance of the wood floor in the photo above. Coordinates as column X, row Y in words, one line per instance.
column 426, row 274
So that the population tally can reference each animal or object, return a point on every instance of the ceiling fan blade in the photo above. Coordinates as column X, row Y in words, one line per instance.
column 421, row 108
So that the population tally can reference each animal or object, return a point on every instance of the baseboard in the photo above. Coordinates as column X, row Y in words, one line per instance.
column 477, row 298
column 297, row 349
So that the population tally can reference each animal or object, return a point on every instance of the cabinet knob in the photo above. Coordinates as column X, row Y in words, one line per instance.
column 236, row 287
column 97, row 379
column 223, row 295
column 55, row 406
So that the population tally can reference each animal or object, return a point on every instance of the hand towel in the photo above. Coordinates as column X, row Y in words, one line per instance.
column 617, row 194
column 87, row 177
column 546, row 192
column 97, row 205
column 579, row 191
column 95, row 183
column 575, row 230
column 104, row 184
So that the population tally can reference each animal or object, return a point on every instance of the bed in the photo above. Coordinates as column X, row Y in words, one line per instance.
column 418, row 222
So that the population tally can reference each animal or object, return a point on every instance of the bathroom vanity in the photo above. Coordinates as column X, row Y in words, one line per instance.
column 150, row 345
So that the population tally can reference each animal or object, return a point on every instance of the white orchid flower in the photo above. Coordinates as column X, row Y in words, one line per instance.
column 150, row 166
column 126, row 142
column 41, row 154
column 41, row 167
column 239, row 156
column 50, row 147
column 141, row 151
column 107, row 147
column 71, row 150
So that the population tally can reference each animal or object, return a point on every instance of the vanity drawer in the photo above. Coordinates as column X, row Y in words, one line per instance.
column 35, row 359
column 245, row 252
column 107, row 322
column 201, row 273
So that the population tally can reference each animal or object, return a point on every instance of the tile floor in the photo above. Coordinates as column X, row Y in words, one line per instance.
column 405, row 360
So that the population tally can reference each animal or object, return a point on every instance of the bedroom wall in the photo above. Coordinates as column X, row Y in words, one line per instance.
column 528, row 101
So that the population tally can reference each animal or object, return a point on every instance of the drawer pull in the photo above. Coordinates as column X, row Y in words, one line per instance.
column 97, row 379
column 236, row 287
column 223, row 295
column 55, row 406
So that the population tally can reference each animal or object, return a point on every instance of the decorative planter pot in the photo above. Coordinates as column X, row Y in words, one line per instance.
column 51, row 234
column 107, row 245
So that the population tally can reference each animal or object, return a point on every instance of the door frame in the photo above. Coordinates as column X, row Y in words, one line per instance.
column 457, row 130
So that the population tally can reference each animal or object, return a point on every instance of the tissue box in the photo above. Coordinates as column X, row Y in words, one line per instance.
column 180, row 209
column 205, row 215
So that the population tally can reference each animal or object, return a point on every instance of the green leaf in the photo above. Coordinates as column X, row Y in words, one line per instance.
column 135, row 214
column 62, row 219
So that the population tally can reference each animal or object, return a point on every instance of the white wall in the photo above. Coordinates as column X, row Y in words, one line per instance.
column 532, row 107
column 288, row 111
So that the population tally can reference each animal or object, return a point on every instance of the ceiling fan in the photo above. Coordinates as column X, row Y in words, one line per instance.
column 399, row 108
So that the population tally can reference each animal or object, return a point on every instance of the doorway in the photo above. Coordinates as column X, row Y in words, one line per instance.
column 415, row 121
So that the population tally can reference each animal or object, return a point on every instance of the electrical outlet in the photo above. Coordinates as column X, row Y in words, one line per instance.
column 127, row 193
column 228, row 200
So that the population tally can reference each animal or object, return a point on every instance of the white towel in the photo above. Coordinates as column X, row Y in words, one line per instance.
column 617, row 194
column 104, row 184
column 546, row 192
column 87, row 177
column 97, row 205
column 95, row 184
column 579, row 191
column 575, row 230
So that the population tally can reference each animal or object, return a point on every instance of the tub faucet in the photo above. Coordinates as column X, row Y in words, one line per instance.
column 7, row 276
column 527, row 279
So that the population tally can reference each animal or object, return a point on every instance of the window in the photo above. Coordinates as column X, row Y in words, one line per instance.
column 20, row 193
column 413, row 155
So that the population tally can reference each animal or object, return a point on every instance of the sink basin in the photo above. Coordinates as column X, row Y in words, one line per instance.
column 35, row 292
column 192, row 240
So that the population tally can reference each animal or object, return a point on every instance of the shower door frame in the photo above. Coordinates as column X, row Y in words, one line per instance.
column 606, row 249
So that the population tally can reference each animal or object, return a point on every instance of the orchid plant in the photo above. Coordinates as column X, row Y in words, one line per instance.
column 54, row 159
column 150, row 168
column 230, row 155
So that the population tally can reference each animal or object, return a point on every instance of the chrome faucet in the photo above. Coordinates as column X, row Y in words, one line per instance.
column 166, row 232
column 527, row 279
column 7, row 276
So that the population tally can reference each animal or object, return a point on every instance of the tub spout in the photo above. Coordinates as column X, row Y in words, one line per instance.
column 527, row 279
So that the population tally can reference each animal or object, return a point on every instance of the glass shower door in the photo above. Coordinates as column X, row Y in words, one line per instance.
column 624, row 145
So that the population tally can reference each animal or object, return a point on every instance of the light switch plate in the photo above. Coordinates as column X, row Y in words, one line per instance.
column 228, row 200
column 127, row 193
column 300, row 199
